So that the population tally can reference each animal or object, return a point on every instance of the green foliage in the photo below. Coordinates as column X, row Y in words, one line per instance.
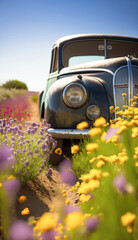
column 15, row 84
column 108, row 202
column 10, row 93
column 35, row 98
column 81, row 160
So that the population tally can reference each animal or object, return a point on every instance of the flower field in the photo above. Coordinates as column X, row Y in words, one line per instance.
column 103, row 171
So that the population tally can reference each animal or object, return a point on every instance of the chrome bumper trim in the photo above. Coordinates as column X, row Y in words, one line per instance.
column 68, row 133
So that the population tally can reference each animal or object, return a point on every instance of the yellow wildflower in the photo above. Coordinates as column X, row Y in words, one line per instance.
column 112, row 139
column 95, row 174
column 111, row 108
column 25, row 211
column 103, row 136
column 103, row 158
column 22, row 199
column 90, row 186
column 82, row 125
column 119, row 112
column 75, row 149
column 128, row 220
column 136, row 98
column 87, row 215
column 136, row 164
column 127, row 113
column 136, row 111
column 112, row 121
column 46, row 222
column 121, row 129
column 52, row 208
column 11, row 177
column 91, row 147
column 134, row 123
column 124, row 94
column 105, row 174
column 60, row 228
column 93, row 160
column 114, row 159
column 67, row 201
column 65, row 237
column 135, row 132
column 0, row 185
column 84, row 197
column 57, row 237
column 100, row 122
column 95, row 132
column 58, row 151
column 100, row 164
column 74, row 220
column 64, row 193
column 116, row 108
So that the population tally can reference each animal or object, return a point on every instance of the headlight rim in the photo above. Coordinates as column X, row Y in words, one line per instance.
column 65, row 99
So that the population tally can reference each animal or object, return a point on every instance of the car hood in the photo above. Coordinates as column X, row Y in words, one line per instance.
column 110, row 64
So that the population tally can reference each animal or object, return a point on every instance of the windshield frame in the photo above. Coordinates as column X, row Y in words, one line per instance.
column 105, row 42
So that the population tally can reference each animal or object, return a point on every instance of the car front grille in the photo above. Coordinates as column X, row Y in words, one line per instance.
column 125, row 81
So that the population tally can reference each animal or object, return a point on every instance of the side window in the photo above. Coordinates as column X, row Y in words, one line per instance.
column 54, row 60
column 55, row 67
column 52, row 56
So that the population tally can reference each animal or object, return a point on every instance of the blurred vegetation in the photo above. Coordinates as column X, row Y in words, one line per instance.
column 15, row 84
column 10, row 93
column 35, row 98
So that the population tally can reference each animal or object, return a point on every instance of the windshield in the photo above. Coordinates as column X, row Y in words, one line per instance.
column 78, row 52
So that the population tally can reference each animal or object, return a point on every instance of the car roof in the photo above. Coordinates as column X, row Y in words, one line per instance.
column 94, row 36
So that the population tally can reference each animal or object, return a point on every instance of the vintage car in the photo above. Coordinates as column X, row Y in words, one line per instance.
column 88, row 74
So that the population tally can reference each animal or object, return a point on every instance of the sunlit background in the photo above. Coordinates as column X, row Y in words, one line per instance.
column 29, row 28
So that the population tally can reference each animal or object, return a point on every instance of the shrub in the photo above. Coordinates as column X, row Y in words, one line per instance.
column 10, row 93
column 15, row 84
column 35, row 98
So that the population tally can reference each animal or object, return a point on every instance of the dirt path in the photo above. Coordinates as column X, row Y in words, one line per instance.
column 43, row 191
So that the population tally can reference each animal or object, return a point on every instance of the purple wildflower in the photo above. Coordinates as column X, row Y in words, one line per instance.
column 12, row 186
column 111, row 132
column 20, row 127
column 5, row 154
column 66, row 173
column 92, row 223
column 45, row 162
column 26, row 163
column 13, row 138
column 50, row 235
column 49, row 172
column 71, row 208
column 33, row 124
column 39, row 141
column 54, row 143
column 20, row 230
column 120, row 183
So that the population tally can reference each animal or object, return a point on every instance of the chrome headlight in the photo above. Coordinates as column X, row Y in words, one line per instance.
column 74, row 95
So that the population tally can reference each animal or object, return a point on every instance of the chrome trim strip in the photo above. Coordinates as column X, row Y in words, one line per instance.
column 89, row 70
column 130, row 80
column 105, row 48
column 68, row 133
column 114, row 76
column 83, row 71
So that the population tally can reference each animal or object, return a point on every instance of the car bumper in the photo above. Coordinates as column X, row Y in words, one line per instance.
column 68, row 133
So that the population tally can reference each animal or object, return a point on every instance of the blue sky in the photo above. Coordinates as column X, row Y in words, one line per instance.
column 29, row 28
